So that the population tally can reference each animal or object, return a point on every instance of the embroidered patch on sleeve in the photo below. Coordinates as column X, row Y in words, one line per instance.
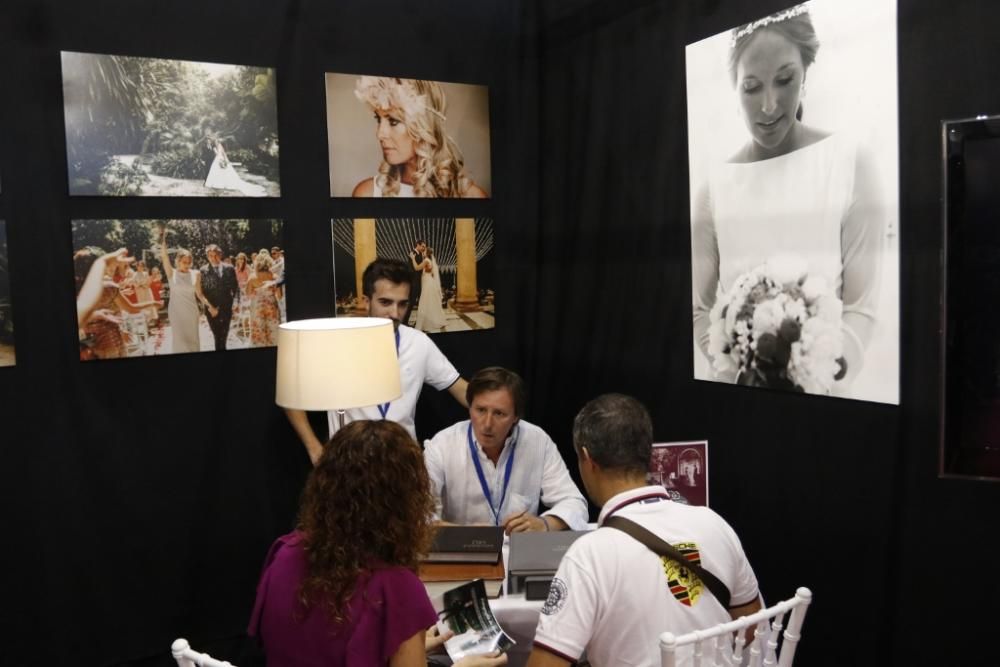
column 684, row 584
column 557, row 597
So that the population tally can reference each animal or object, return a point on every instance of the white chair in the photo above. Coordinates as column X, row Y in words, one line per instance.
column 722, row 645
column 188, row 657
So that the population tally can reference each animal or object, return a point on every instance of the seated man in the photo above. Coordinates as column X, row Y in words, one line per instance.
column 612, row 596
column 494, row 467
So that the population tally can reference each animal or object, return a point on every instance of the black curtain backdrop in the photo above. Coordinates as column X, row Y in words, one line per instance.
column 841, row 496
column 139, row 496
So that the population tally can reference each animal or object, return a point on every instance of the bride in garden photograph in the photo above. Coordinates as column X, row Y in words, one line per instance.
column 153, row 127
column 222, row 175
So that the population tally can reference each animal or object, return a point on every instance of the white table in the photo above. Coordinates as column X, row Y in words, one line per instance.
column 516, row 615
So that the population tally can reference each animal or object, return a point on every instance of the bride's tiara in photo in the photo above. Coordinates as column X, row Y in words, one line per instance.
column 777, row 17
column 381, row 92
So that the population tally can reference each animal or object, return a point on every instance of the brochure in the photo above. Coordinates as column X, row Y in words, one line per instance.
column 466, row 612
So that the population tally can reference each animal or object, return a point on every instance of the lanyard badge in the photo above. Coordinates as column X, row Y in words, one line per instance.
column 482, row 478
column 383, row 409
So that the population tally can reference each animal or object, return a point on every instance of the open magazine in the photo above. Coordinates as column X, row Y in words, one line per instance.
column 466, row 612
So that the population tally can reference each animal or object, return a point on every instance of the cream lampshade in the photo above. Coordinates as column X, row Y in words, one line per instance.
column 337, row 363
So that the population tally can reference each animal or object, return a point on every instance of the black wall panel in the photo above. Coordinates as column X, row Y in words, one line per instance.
column 139, row 496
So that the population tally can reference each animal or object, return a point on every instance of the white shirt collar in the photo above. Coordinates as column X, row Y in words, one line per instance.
column 505, row 450
column 624, row 498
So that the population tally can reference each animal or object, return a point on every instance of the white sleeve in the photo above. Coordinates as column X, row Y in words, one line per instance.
column 438, row 371
column 434, row 460
column 559, row 492
column 569, row 615
column 743, row 588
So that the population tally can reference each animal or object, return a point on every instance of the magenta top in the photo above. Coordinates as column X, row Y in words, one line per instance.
column 389, row 606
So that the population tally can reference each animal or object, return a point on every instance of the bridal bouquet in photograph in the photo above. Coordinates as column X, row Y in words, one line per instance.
column 779, row 327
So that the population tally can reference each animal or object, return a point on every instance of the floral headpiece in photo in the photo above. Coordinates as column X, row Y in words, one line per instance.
column 777, row 17
column 381, row 92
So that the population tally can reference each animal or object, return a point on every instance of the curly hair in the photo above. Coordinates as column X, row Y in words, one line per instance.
column 440, row 166
column 263, row 261
column 367, row 503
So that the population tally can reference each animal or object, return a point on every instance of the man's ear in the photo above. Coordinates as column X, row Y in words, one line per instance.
column 585, row 458
column 365, row 301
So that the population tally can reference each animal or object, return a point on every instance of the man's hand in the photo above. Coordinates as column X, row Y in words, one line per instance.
column 523, row 522
column 300, row 422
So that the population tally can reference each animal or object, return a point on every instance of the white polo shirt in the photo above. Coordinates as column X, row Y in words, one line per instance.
column 537, row 473
column 613, row 597
column 420, row 362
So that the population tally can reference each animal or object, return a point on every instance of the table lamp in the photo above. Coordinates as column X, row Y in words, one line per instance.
column 337, row 363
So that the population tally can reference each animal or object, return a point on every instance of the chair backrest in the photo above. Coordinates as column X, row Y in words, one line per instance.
column 188, row 657
column 723, row 645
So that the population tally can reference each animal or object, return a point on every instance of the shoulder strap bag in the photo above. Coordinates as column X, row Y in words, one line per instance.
column 661, row 548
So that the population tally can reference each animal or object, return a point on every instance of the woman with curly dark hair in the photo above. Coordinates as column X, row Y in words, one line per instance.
column 342, row 588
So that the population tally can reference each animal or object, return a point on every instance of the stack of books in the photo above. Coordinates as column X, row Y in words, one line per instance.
column 461, row 554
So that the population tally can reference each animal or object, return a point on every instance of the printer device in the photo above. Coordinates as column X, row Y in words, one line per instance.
column 534, row 559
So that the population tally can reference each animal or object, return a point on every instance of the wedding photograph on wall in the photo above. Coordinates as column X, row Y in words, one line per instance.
column 793, row 159
column 394, row 137
column 7, row 357
column 156, row 287
column 452, row 260
column 682, row 469
column 152, row 127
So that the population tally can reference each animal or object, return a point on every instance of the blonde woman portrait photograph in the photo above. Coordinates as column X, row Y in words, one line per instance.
column 398, row 137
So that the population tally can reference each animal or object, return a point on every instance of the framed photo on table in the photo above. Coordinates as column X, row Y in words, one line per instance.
column 682, row 469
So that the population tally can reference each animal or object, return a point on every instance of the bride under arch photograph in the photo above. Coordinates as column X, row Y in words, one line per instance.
column 152, row 127
column 793, row 159
column 449, row 260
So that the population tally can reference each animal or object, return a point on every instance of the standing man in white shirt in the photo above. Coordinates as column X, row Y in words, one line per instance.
column 612, row 596
column 494, row 467
column 386, row 285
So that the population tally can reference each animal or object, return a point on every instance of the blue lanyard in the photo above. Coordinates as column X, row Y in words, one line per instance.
column 482, row 478
column 384, row 407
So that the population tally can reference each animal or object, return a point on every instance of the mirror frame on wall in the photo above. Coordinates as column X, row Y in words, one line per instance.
column 969, row 392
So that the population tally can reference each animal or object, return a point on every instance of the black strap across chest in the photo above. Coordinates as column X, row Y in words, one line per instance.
column 661, row 548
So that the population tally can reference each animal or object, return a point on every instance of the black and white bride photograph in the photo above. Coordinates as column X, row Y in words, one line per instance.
column 793, row 160
column 153, row 127
column 450, row 261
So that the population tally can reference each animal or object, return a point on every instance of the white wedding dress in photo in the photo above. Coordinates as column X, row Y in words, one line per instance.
column 222, row 176
column 430, row 315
